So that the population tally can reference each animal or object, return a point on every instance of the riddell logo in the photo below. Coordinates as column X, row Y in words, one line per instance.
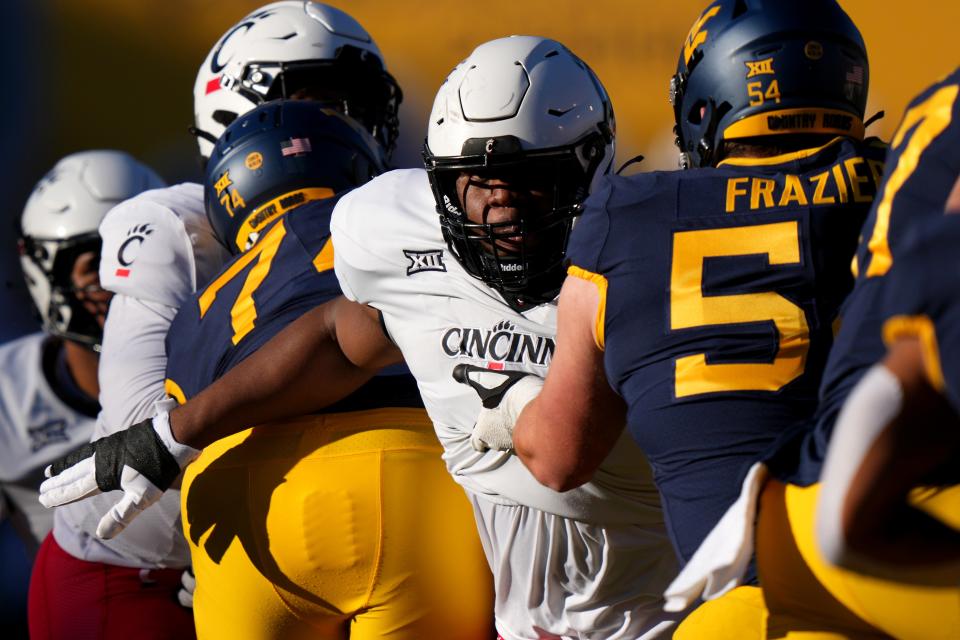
column 502, row 344
column 449, row 206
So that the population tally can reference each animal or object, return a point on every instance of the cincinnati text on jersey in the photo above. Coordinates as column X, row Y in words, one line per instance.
column 499, row 345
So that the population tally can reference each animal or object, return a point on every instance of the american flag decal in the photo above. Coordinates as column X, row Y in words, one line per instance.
column 855, row 76
column 295, row 146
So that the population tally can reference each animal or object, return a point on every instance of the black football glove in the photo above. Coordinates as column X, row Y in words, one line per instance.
column 142, row 461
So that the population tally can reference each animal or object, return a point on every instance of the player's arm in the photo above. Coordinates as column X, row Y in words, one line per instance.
column 894, row 431
column 564, row 434
column 323, row 356
column 953, row 200
column 132, row 360
column 317, row 360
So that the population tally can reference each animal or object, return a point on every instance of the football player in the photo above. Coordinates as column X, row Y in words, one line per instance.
column 378, row 542
column 801, row 590
column 704, row 299
column 519, row 133
column 49, row 388
column 896, row 438
column 159, row 248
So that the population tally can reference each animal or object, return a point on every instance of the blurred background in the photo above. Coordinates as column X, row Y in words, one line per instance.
column 119, row 74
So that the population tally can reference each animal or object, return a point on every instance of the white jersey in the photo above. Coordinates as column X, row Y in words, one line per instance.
column 36, row 428
column 157, row 249
column 390, row 253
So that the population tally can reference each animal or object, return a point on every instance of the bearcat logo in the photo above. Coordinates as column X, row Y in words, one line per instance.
column 498, row 346
column 216, row 63
column 130, row 248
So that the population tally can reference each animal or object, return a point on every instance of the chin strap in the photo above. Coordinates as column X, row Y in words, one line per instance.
column 634, row 160
column 875, row 117
column 200, row 133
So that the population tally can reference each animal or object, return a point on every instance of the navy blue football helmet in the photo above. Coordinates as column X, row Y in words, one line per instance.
column 277, row 157
column 752, row 68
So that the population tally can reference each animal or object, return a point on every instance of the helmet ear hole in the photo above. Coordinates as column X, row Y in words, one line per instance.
column 695, row 115
column 224, row 117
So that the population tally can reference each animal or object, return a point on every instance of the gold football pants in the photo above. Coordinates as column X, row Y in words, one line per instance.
column 805, row 598
column 334, row 526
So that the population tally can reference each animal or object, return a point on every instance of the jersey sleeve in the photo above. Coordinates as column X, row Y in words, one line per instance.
column 360, row 231
column 922, row 299
column 590, row 231
column 920, row 170
column 132, row 362
column 158, row 246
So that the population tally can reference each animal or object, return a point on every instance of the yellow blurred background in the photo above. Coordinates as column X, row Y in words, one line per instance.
column 126, row 67
column 119, row 73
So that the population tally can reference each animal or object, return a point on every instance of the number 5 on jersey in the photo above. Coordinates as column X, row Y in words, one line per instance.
column 690, row 308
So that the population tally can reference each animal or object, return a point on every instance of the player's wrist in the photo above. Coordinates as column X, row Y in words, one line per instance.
column 182, row 453
column 519, row 396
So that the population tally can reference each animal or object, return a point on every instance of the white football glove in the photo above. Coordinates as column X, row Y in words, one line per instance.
column 504, row 395
column 188, row 584
column 142, row 461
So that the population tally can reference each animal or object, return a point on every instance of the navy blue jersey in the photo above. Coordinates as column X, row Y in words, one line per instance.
column 922, row 299
column 722, row 286
column 921, row 169
column 288, row 272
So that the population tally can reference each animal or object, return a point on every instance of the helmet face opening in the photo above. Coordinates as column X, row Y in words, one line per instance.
column 521, row 258
column 354, row 84
column 48, row 267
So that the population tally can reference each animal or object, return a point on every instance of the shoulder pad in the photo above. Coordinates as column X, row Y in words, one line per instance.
column 373, row 225
column 158, row 246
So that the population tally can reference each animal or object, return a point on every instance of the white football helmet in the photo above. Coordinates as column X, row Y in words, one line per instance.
column 519, row 104
column 60, row 222
column 295, row 46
